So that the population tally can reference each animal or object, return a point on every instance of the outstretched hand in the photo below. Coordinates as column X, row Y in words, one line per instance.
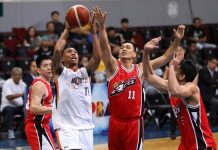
column 93, row 24
column 100, row 15
column 67, row 26
column 178, row 57
column 179, row 33
column 153, row 43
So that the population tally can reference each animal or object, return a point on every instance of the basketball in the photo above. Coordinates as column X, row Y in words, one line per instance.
column 77, row 16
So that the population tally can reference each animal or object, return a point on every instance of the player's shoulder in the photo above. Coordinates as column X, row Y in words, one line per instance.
column 189, row 84
column 38, row 84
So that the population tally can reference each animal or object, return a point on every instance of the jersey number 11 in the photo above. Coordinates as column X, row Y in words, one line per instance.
column 131, row 95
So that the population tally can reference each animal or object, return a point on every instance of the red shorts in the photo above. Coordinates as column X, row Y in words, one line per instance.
column 182, row 147
column 125, row 135
column 39, row 136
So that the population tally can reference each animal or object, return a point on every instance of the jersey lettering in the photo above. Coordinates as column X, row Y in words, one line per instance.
column 119, row 87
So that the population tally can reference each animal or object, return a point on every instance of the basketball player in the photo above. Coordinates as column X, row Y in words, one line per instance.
column 125, row 90
column 72, row 111
column 185, row 99
column 39, row 107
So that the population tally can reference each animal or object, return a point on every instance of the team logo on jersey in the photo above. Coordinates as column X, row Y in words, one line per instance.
column 78, row 81
column 177, row 110
column 121, row 86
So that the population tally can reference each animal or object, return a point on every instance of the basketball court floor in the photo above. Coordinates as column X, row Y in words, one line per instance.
column 149, row 144
column 156, row 144
column 155, row 139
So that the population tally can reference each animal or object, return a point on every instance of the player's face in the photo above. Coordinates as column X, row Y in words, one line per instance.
column 45, row 68
column 179, row 75
column 70, row 57
column 127, row 51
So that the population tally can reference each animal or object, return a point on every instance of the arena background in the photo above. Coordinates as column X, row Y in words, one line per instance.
column 139, row 12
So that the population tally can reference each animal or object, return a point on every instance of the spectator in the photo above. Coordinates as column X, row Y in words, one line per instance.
column 197, row 34
column 115, row 40
column 32, row 40
column 59, row 27
column 84, row 61
column 3, row 50
column 32, row 74
column 78, row 40
column 2, row 81
column 100, row 74
column 193, row 54
column 45, row 48
column 208, row 83
column 51, row 37
column 126, row 33
column 28, row 80
column 12, row 99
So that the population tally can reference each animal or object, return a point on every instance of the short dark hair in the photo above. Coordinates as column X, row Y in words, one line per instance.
column 50, row 22
column 189, row 69
column 55, row 12
column 192, row 42
column 211, row 58
column 196, row 18
column 134, row 46
column 110, row 28
column 68, row 46
column 124, row 20
column 41, row 58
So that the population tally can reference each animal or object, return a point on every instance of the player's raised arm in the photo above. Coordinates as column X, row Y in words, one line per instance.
column 95, row 60
column 57, row 65
column 176, row 89
column 106, row 55
column 168, row 55
column 148, row 73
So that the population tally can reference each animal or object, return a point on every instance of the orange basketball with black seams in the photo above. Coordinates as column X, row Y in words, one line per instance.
column 77, row 16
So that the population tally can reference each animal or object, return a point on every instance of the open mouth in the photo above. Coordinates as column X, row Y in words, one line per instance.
column 123, row 53
column 73, row 58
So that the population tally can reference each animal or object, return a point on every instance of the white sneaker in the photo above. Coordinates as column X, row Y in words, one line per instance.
column 11, row 134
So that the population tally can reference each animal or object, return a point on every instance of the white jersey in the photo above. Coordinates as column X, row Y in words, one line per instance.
column 72, row 107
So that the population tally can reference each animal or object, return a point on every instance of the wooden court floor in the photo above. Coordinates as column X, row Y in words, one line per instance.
column 157, row 144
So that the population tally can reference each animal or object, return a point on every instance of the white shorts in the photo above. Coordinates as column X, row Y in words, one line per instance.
column 75, row 139
column 45, row 144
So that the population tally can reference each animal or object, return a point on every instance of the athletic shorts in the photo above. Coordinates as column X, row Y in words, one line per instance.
column 39, row 136
column 74, row 139
column 125, row 135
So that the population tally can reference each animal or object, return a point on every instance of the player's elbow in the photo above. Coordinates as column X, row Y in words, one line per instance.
column 148, row 78
column 174, row 92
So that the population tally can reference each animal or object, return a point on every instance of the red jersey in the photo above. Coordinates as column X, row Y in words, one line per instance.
column 125, row 93
column 46, row 101
column 193, row 125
